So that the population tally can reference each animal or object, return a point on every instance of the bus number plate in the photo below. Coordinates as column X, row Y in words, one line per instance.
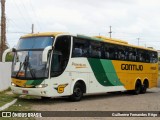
column 25, row 91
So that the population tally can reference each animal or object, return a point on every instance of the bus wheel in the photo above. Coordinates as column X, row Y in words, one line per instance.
column 144, row 87
column 138, row 88
column 77, row 93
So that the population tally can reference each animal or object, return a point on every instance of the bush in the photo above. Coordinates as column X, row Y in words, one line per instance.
column 9, row 57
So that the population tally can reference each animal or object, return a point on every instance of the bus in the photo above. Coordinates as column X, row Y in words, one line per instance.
column 60, row 64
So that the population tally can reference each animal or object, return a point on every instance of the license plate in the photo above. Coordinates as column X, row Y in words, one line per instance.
column 25, row 91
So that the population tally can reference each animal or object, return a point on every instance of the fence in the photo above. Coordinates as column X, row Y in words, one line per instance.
column 5, row 75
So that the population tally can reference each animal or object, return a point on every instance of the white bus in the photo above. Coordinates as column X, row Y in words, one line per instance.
column 59, row 64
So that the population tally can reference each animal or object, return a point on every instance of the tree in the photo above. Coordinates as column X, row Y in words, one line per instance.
column 9, row 57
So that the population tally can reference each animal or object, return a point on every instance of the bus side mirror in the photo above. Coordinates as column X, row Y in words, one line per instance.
column 5, row 53
column 45, row 53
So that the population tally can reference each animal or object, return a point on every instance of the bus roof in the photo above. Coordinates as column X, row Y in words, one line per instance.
column 114, row 41
column 96, row 38
column 44, row 34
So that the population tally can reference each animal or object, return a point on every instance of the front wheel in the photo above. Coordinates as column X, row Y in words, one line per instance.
column 77, row 93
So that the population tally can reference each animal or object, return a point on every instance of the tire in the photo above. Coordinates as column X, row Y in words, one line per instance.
column 144, row 87
column 77, row 93
column 138, row 88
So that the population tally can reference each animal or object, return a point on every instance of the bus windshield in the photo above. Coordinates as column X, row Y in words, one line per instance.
column 34, row 43
column 27, row 63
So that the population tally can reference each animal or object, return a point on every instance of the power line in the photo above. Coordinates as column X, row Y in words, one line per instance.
column 39, row 25
column 11, row 21
column 26, row 23
column 19, row 32
column 26, row 10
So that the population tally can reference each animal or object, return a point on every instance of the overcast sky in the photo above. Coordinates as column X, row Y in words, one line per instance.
column 130, row 19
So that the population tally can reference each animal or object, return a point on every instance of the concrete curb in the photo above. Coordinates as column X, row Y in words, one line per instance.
column 8, row 105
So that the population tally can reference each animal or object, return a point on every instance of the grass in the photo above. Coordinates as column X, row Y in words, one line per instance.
column 21, row 105
column 7, row 90
column 6, row 97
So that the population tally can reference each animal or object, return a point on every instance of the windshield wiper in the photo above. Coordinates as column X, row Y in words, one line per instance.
column 21, row 65
column 26, row 65
column 32, row 71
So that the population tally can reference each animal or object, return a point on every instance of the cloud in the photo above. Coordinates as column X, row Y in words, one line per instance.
column 129, row 18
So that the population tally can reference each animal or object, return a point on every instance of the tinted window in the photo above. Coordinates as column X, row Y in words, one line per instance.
column 95, row 49
column 112, row 51
column 103, row 50
column 130, row 54
column 154, row 57
column 34, row 42
column 80, row 48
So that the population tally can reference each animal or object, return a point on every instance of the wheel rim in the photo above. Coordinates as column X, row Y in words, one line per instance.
column 77, row 92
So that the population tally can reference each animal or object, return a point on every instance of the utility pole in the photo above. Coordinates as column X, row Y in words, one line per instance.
column 110, row 32
column 3, row 29
column 32, row 28
column 138, row 40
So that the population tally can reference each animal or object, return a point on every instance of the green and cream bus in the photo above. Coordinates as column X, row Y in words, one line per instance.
column 60, row 64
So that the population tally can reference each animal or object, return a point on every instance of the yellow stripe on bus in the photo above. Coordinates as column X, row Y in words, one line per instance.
column 19, row 82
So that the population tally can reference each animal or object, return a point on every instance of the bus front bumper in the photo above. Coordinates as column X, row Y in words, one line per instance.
column 30, row 91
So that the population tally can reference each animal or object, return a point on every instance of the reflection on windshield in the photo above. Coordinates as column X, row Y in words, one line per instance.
column 34, row 43
column 29, row 65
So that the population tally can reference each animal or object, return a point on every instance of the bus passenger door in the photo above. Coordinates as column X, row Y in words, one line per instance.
column 59, row 71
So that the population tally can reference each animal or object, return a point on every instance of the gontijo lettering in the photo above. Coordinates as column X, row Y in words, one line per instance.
column 132, row 67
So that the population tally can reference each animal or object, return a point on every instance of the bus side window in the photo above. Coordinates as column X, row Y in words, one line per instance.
column 139, row 55
column 95, row 49
column 80, row 48
column 131, row 54
column 147, row 57
column 77, row 52
column 111, row 51
column 154, row 57
column 121, row 52
column 105, row 52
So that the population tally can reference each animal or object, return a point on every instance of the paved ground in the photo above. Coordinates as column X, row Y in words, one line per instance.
column 103, row 102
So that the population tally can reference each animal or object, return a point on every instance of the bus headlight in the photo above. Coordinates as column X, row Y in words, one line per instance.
column 13, row 84
column 41, row 85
